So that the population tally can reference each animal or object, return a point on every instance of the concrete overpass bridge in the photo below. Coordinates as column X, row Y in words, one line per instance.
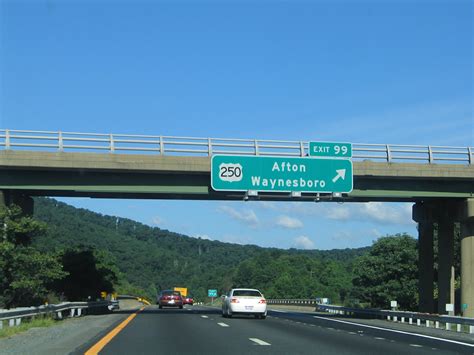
column 438, row 180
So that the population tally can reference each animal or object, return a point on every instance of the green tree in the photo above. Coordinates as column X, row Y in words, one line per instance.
column 280, row 275
column 89, row 271
column 25, row 273
column 388, row 272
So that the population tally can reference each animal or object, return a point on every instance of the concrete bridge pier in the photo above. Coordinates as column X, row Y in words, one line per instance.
column 424, row 215
column 447, row 215
column 467, row 258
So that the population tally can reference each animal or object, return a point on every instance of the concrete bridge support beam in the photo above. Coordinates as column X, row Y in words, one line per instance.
column 467, row 258
column 423, row 214
column 447, row 216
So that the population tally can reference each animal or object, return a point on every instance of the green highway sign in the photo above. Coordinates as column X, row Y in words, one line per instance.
column 330, row 149
column 211, row 293
column 280, row 174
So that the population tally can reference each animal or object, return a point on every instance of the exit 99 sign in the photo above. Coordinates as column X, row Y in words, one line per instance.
column 330, row 149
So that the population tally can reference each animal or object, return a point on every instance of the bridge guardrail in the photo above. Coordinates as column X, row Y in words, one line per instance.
column 421, row 319
column 192, row 146
column 15, row 316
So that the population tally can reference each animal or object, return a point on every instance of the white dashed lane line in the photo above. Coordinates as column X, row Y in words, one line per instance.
column 223, row 325
column 416, row 345
column 258, row 341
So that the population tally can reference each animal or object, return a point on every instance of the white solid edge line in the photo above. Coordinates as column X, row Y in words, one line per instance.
column 279, row 311
column 223, row 324
column 259, row 342
column 398, row 331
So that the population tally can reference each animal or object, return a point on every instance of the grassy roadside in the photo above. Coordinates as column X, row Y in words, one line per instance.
column 8, row 331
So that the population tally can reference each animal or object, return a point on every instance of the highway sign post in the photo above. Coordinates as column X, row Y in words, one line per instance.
column 280, row 174
column 330, row 149
column 212, row 293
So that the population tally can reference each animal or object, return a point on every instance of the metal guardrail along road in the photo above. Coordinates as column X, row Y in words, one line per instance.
column 14, row 316
column 421, row 319
column 191, row 146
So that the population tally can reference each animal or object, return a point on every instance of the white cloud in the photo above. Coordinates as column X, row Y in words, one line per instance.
column 385, row 213
column 375, row 233
column 289, row 222
column 343, row 236
column 356, row 238
column 268, row 205
column 340, row 213
column 157, row 220
column 247, row 217
column 303, row 242
column 378, row 212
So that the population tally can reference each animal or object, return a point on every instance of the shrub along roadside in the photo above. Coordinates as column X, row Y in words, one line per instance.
column 24, row 271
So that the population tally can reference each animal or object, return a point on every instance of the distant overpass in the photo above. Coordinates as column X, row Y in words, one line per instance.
column 438, row 179
column 124, row 166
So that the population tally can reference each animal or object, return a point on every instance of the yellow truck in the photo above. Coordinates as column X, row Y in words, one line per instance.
column 182, row 290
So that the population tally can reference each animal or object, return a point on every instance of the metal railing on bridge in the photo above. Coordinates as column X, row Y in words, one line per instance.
column 192, row 146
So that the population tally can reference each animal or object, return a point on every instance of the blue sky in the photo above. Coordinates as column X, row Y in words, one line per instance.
column 358, row 71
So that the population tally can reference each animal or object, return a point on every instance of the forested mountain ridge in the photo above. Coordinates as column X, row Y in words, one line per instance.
column 153, row 258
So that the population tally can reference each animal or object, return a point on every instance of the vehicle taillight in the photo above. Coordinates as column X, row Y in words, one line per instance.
column 263, row 300
column 234, row 300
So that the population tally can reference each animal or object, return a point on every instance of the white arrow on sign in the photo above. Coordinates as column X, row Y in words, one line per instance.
column 341, row 173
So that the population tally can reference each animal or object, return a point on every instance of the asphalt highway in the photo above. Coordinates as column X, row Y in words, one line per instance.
column 202, row 330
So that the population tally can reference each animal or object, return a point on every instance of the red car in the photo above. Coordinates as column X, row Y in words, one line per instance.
column 170, row 298
column 188, row 300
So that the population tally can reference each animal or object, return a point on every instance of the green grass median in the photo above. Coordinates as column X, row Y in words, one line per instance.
column 8, row 331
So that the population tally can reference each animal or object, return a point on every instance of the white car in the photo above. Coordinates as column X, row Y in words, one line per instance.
column 244, row 301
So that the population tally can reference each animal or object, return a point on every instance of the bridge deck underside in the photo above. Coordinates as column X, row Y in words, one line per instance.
column 187, row 177
column 195, row 186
